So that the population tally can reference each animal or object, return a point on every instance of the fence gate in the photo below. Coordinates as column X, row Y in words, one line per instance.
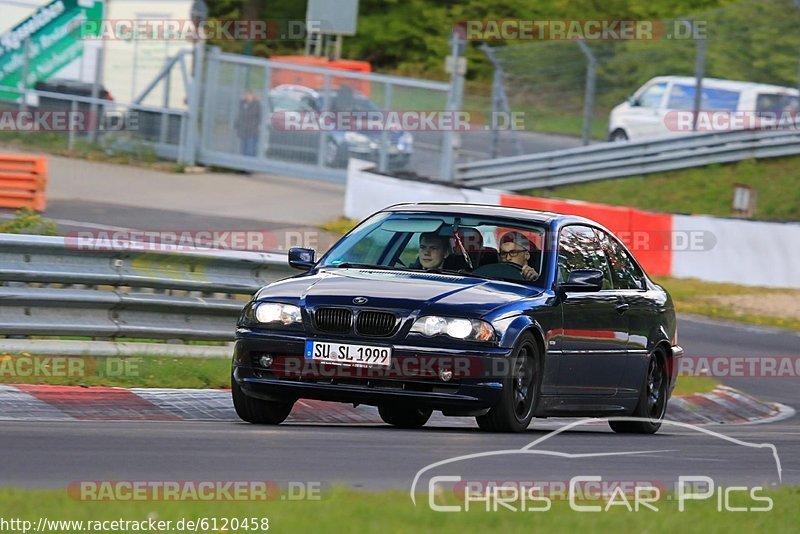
column 244, row 124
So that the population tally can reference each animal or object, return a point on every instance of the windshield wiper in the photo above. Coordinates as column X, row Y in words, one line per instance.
column 461, row 272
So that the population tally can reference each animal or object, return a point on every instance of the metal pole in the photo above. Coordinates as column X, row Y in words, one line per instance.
column 71, row 135
column 699, row 73
column 25, row 67
column 500, row 102
column 588, row 97
column 98, row 80
column 190, row 154
column 797, row 5
column 383, row 155
column 266, row 115
column 326, row 106
column 162, row 138
column 448, row 140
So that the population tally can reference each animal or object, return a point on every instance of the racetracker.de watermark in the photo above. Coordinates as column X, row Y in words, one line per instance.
column 741, row 366
column 580, row 30
column 192, row 490
column 202, row 29
column 724, row 121
column 43, row 120
column 395, row 120
column 190, row 240
column 29, row 366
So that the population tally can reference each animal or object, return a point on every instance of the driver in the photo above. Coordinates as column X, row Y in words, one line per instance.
column 516, row 248
column 433, row 250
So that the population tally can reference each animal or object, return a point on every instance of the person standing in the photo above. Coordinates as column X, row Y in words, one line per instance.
column 248, row 122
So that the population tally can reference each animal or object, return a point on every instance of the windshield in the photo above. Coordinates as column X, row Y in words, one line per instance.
column 485, row 247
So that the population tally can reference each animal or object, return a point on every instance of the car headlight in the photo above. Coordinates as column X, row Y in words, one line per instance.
column 355, row 138
column 273, row 312
column 469, row 329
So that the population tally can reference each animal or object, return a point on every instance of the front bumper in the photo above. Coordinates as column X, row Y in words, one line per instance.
column 413, row 380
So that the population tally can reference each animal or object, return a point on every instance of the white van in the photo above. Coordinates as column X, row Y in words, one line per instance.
column 651, row 110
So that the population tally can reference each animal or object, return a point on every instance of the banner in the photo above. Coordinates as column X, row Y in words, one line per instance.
column 55, row 36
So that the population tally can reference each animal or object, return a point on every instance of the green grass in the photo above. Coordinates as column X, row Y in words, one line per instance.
column 340, row 226
column 703, row 190
column 148, row 371
column 57, row 144
column 343, row 510
column 693, row 296
column 688, row 385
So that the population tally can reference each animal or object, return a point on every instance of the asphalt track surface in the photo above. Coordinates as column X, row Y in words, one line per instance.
column 52, row 454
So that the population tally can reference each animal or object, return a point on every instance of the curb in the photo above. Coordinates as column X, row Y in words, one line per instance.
column 24, row 402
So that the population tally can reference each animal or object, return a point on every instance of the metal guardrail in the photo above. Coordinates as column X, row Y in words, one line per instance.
column 50, row 287
column 617, row 160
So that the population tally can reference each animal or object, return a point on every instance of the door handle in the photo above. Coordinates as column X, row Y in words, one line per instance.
column 622, row 308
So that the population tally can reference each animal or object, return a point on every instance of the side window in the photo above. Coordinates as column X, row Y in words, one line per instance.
column 653, row 96
column 624, row 271
column 681, row 97
column 580, row 248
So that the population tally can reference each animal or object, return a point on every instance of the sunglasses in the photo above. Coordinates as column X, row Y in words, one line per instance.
column 512, row 253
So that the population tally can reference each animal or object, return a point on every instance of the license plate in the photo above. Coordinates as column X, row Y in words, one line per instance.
column 346, row 354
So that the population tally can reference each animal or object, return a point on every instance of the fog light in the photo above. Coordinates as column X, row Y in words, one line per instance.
column 446, row 375
column 265, row 361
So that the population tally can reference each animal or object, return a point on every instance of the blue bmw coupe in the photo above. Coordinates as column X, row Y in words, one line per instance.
column 501, row 314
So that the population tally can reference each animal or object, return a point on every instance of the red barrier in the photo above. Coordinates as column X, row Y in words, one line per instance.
column 22, row 182
column 646, row 234
column 317, row 81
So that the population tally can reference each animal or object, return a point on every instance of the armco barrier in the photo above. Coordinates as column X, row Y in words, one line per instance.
column 712, row 249
column 22, row 182
column 51, row 287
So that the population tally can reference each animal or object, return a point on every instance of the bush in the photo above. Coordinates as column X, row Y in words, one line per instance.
column 27, row 221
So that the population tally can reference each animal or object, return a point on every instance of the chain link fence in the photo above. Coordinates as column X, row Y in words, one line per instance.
column 755, row 41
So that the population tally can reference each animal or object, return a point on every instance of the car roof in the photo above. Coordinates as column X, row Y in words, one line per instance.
column 490, row 210
column 719, row 83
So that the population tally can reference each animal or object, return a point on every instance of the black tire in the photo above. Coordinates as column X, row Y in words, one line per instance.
column 258, row 411
column 652, row 400
column 521, row 388
column 618, row 136
column 403, row 416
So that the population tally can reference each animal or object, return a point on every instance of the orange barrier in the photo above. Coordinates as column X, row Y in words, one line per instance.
column 647, row 235
column 317, row 81
column 22, row 182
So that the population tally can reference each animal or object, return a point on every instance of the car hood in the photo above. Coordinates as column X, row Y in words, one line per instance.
column 400, row 291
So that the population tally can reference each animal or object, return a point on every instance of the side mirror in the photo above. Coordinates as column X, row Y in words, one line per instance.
column 583, row 280
column 302, row 258
column 633, row 101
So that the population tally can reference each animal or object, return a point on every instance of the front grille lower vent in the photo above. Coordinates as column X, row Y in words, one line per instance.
column 375, row 323
column 333, row 320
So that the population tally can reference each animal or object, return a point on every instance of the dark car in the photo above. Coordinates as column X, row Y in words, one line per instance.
column 568, row 325
column 339, row 145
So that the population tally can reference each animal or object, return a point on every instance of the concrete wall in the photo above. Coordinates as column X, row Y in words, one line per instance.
column 712, row 249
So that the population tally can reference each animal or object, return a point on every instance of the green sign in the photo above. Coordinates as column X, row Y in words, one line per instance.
column 54, row 34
